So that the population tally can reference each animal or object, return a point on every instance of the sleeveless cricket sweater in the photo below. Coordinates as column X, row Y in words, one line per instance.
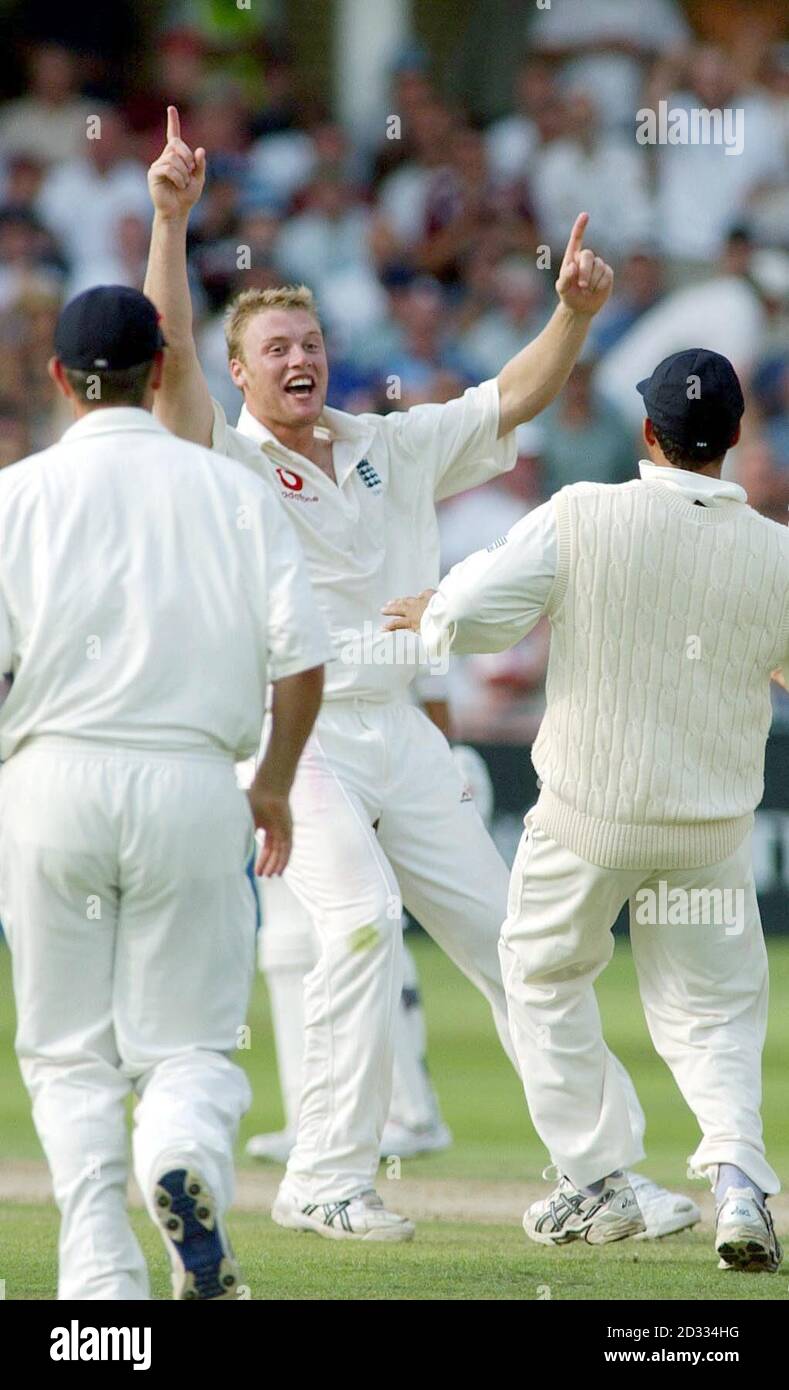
column 667, row 619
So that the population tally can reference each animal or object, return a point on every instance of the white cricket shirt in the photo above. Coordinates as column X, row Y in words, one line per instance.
column 149, row 590
column 373, row 535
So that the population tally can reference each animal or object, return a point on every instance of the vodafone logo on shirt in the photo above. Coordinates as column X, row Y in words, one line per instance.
column 294, row 487
column 290, row 480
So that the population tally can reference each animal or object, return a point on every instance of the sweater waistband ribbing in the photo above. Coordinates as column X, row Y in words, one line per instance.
column 611, row 845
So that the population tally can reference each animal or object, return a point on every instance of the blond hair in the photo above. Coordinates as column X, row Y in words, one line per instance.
column 250, row 302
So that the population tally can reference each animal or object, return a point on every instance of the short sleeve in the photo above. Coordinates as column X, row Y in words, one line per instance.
column 457, row 441
column 298, row 638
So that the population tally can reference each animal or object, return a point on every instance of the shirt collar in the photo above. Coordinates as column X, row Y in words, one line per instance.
column 112, row 419
column 350, row 437
column 695, row 486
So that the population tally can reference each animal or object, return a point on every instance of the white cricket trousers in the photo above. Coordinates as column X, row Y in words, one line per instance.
column 288, row 949
column 373, row 764
column 131, row 917
column 703, row 989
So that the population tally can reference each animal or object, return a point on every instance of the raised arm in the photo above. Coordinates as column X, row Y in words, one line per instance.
column 175, row 181
column 531, row 379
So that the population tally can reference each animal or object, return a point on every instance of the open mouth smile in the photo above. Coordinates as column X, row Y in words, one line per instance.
column 302, row 386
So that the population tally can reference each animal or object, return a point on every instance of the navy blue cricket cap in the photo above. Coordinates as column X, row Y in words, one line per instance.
column 696, row 398
column 108, row 328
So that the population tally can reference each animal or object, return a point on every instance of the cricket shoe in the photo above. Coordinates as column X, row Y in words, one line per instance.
column 569, row 1214
column 271, row 1148
column 745, row 1236
column 202, row 1261
column 403, row 1141
column 664, row 1212
column 355, row 1218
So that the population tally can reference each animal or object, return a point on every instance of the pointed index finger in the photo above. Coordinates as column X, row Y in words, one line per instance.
column 576, row 236
column 173, row 123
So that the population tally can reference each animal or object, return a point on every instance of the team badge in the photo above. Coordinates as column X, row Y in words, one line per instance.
column 368, row 475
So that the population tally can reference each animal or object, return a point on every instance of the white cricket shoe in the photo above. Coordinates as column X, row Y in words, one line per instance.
column 401, row 1141
column 355, row 1218
column 664, row 1212
column 569, row 1214
column 271, row 1148
column 745, row 1236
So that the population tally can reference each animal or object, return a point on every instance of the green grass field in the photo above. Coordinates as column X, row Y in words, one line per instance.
column 494, row 1145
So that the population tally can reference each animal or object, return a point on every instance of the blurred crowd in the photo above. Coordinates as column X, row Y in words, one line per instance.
column 432, row 245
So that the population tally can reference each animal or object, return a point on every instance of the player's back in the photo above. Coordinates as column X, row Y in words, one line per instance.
column 667, row 619
column 133, row 571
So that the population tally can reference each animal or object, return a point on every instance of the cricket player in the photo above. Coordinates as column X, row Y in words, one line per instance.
column 378, row 803
column 149, row 591
column 668, row 598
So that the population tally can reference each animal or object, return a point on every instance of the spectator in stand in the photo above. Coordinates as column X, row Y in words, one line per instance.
column 179, row 77
column 217, row 215
column 771, row 388
column 49, row 121
column 513, row 140
column 768, row 203
column 412, row 91
column 583, row 438
column 125, row 266
column 14, row 435
column 604, row 172
column 27, row 327
column 639, row 286
column 731, row 311
column 21, row 182
column 330, row 236
column 463, row 203
column 83, row 199
column 426, row 347
column 767, row 485
column 27, row 251
column 281, row 107
column 403, row 195
column 384, row 337
column 220, row 120
column 604, row 46
column 260, row 219
column 285, row 159
column 329, row 246
column 518, row 312
column 701, row 188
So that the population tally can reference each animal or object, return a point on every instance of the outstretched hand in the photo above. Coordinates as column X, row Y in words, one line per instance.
column 585, row 281
column 176, row 178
